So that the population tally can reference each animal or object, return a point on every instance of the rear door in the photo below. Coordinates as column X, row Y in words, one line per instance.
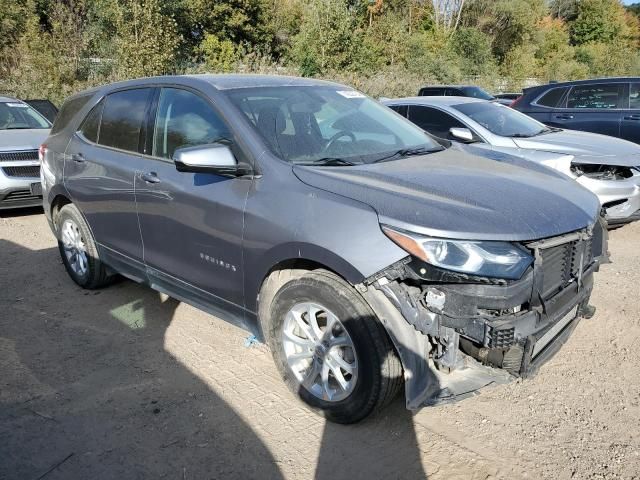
column 100, row 165
column 630, row 126
column 595, row 107
column 191, row 223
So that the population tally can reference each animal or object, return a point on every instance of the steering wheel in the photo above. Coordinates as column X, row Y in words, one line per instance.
column 340, row 134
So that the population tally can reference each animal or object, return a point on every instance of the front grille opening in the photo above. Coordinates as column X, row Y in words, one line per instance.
column 562, row 264
column 18, row 155
column 29, row 171
column 20, row 195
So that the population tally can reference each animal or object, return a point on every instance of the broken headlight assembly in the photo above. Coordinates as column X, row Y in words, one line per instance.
column 483, row 258
column 601, row 172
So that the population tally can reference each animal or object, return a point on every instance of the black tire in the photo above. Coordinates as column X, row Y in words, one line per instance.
column 96, row 275
column 379, row 368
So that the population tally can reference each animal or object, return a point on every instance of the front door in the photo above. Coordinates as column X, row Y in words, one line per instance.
column 191, row 223
column 100, row 165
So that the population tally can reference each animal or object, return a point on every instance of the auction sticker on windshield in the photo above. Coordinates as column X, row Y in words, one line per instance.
column 350, row 94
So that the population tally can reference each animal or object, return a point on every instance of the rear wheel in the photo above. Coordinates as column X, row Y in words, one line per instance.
column 78, row 249
column 330, row 347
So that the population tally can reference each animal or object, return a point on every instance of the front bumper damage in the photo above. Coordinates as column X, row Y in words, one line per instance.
column 456, row 334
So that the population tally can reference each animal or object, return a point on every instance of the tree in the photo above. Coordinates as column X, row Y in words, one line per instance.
column 146, row 40
column 219, row 55
column 327, row 37
column 474, row 49
column 598, row 21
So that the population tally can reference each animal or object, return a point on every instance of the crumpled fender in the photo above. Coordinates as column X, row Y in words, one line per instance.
column 412, row 346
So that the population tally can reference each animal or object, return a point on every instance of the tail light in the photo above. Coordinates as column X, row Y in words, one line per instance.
column 41, row 152
column 516, row 101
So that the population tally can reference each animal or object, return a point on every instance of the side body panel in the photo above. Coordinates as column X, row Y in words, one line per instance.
column 286, row 219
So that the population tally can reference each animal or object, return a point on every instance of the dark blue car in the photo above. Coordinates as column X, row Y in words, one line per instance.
column 610, row 106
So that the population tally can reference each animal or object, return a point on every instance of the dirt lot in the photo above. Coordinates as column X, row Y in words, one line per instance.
column 123, row 383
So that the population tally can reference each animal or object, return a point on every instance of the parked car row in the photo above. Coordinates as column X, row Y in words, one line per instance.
column 370, row 255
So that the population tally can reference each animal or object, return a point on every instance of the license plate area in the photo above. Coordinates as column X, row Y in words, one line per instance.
column 554, row 331
column 36, row 189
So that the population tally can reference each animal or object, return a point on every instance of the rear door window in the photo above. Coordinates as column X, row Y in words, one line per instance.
column 596, row 96
column 552, row 98
column 122, row 117
column 185, row 119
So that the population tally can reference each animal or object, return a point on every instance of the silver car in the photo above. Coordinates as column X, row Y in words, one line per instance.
column 22, row 131
column 608, row 166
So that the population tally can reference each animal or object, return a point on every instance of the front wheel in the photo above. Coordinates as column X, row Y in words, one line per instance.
column 330, row 347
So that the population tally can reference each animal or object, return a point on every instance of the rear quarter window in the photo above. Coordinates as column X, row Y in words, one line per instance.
column 68, row 112
column 552, row 98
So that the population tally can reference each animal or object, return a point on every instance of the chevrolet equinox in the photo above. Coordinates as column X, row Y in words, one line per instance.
column 366, row 254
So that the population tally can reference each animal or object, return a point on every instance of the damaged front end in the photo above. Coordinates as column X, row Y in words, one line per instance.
column 456, row 332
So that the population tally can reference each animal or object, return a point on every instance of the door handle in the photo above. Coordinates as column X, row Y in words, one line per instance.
column 78, row 158
column 151, row 177
column 632, row 117
column 564, row 117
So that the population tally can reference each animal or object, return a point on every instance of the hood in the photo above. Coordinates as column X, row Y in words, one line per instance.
column 22, row 139
column 586, row 147
column 455, row 194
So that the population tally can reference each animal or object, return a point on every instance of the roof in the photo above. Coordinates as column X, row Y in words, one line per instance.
column 448, row 86
column 8, row 99
column 429, row 100
column 223, row 82
column 219, row 81
column 588, row 80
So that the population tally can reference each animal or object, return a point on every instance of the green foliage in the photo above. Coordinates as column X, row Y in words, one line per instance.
column 147, row 40
column 327, row 38
column 598, row 21
column 474, row 48
column 51, row 48
column 219, row 55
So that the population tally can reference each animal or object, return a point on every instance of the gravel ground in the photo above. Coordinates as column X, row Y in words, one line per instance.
column 126, row 383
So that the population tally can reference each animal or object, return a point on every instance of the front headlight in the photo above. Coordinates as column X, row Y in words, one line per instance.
column 483, row 258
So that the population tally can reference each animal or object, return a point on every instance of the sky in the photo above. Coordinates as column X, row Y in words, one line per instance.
column 629, row 2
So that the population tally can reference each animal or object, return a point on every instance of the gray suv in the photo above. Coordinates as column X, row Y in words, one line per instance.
column 365, row 253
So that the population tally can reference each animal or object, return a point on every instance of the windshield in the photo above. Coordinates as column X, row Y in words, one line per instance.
column 330, row 125
column 476, row 92
column 18, row 115
column 501, row 120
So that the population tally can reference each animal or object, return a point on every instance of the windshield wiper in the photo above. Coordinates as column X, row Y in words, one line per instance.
column 327, row 161
column 407, row 152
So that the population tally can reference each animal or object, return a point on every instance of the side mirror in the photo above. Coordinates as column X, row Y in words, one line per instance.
column 213, row 158
column 462, row 134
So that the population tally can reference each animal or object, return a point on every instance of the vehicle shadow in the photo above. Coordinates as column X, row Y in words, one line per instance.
column 384, row 446
column 88, row 389
column 21, row 212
